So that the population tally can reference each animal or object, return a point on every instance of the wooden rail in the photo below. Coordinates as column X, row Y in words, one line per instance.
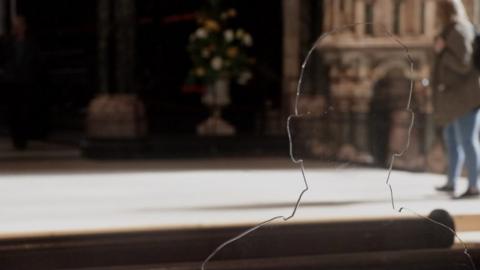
column 434, row 259
column 180, row 246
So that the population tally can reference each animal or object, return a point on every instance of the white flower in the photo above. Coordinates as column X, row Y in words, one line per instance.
column 247, row 40
column 228, row 34
column 244, row 77
column 217, row 63
column 201, row 33
column 205, row 53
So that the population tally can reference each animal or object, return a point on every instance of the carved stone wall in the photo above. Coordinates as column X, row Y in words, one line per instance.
column 369, row 77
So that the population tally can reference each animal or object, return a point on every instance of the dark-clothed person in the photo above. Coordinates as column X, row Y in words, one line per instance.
column 21, row 80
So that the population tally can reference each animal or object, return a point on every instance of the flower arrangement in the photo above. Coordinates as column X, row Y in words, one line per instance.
column 218, row 50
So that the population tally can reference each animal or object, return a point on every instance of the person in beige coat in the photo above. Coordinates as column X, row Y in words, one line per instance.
column 456, row 91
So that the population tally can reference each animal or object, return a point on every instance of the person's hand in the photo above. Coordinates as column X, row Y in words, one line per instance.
column 439, row 45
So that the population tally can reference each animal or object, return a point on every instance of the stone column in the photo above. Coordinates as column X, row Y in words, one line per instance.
column 349, row 11
column 360, row 17
column 125, row 45
column 403, row 24
column 411, row 25
column 3, row 18
column 337, row 16
column 382, row 15
column 291, row 54
column 327, row 15
column 360, row 111
column 103, row 34
column 430, row 17
column 13, row 8
column 342, row 120
column 116, row 113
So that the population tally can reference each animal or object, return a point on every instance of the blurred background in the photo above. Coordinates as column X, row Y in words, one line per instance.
column 122, row 121
column 144, row 79
column 116, row 77
column 131, row 79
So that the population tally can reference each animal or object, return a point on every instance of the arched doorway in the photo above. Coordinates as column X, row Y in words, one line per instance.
column 390, row 97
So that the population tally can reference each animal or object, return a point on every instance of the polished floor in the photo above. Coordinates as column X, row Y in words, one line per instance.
column 56, row 196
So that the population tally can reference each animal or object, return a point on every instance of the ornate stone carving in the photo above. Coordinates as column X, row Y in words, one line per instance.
column 369, row 78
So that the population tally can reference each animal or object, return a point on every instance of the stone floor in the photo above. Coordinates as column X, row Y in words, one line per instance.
column 39, row 150
column 57, row 196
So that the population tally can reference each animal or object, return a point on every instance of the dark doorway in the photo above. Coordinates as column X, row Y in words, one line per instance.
column 65, row 32
column 390, row 94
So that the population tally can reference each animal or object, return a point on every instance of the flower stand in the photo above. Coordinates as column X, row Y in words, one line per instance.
column 216, row 97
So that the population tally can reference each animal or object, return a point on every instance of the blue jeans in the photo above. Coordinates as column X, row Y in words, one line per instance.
column 463, row 146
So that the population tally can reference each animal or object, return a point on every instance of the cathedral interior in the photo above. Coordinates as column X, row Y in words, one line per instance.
column 326, row 157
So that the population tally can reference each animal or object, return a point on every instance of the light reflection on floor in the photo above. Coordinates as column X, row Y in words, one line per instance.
column 81, row 196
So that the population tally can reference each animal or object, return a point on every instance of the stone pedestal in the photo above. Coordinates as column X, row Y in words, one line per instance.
column 215, row 125
column 119, row 116
column 216, row 98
